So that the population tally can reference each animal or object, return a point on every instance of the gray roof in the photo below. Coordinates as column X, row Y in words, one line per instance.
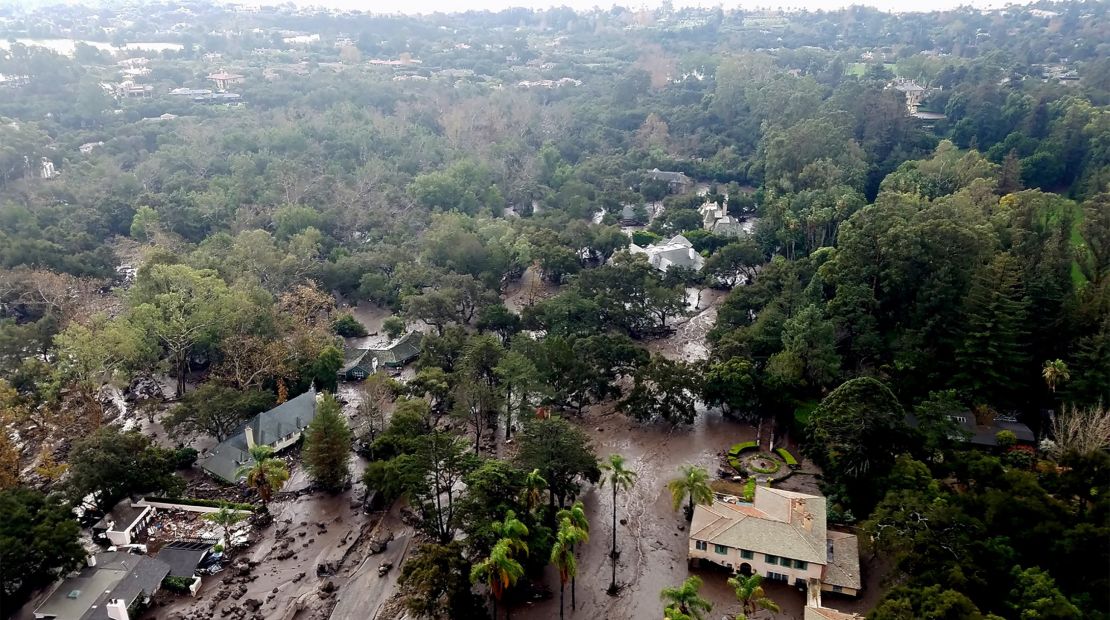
column 268, row 427
column 183, row 556
column 352, row 358
column 668, row 176
column 984, row 434
column 843, row 563
column 121, row 517
column 782, row 523
column 117, row 575
column 400, row 352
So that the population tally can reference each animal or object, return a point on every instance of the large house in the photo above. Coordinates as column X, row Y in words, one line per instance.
column 361, row 363
column 677, row 182
column 782, row 536
column 984, row 435
column 123, row 523
column 715, row 219
column 105, row 589
column 277, row 428
column 674, row 252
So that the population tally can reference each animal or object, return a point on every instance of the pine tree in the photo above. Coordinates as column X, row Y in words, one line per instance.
column 1010, row 180
column 327, row 446
column 991, row 357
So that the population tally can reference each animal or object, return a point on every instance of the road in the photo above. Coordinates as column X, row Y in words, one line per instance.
column 365, row 593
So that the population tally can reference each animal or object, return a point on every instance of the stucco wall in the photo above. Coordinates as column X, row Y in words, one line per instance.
column 758, row 563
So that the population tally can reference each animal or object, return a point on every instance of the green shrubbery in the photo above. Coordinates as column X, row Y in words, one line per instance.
column 736, row 449
column 786, row 456
column 749, row 490
column 178, row 585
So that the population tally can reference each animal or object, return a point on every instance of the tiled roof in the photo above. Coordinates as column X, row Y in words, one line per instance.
column 779, row 522
column 268, row 427
column 824, row 613
column 843, row 567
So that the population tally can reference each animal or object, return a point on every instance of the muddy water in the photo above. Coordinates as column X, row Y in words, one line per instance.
column 653, row 548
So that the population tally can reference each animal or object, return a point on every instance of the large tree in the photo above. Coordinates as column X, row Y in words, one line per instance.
column 39, row 542
column 215, row 410
column 327, row 446
column 618, row 477
column 664, row 389
column 856, row 431
column 562, row 453
column 110, row 464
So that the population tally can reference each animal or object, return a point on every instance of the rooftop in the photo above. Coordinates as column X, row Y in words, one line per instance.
column 116, row 575
column 268, row 427
column 122, row 516
column 182, row 556
column 778, row 522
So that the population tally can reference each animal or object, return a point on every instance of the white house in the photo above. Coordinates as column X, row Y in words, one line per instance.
column 782, row 536
column 125, row 521
column 674, row 252
column 715, row 219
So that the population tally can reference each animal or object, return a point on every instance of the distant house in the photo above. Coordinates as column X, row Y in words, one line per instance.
column 361, row 363
column 89, row 147
column 985, row 435
column 106, row 588
column 223, row 79
column 678, row 182
column 824, row 613
column 914, row 93
column 631, row 216
column 674, row 252
column 781, row 535
column 277, row 428
column 715, row 219
column 123, row 523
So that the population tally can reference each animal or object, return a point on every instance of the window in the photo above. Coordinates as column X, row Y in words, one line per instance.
column 771, row 559
column 721, row 549
column 773, row 576
column 747, row 555
column 800, row 564
column 701, row 545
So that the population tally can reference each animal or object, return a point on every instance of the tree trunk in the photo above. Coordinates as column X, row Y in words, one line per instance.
column 562, row 588
column 613, row 554
column 508, row 412
column 495, row 608
column 573, row 598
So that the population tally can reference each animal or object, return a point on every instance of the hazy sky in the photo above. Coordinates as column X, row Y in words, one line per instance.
column 429, row 6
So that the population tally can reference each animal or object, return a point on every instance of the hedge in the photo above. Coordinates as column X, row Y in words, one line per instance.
column 749, row 490
column 786, row 456
column 741, row 447
column 207, row 503
column 735, row 463
column 180, row 585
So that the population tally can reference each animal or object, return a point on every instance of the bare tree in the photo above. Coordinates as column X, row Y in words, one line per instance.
column 1084, row 431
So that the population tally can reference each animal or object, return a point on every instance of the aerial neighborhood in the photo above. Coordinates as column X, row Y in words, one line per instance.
column 665, row 310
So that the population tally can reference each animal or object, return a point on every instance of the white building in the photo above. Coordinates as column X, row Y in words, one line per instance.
column 674, row 252
column 782, row 536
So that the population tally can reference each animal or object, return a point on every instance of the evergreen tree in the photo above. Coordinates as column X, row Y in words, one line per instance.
column 1010, row 180
column 327, row 446
column 990, row 356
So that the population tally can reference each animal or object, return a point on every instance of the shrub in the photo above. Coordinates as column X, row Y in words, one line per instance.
column 770, row 469
column 183, row 458
column 644, row 237
column 741, row 447
column 394, row 326
column 735, row 463
column 349, row 327
column 749, row 490
column 1005, row 439
column 179, row 585
column 786, row 456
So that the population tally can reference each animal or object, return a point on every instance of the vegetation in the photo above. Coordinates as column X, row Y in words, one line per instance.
column 751, row 595
column 896, row 266
column 618, row 477
column 684, row 600
column 691, row 484
column 226, row 518
column 327, row 446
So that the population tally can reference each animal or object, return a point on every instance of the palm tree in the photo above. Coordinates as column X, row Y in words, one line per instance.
column 673, row 613
column 685, row 599
column 578, row 529
column 751, row 596
column 499, row 571
column 226, row 517
column 265, row 473
column 562, row 556
column 512, row 530
column 534, row 484
column 1055, row 372
column 692, row 482
column 618, row 477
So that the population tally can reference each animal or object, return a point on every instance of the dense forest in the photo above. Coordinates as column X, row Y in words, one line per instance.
column 902, row 262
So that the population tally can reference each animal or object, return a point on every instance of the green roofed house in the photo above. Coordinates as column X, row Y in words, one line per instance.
column 278, row 428
column 361, row 363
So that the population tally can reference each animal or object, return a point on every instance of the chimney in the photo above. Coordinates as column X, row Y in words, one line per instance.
column 250, row 437
column 117, row 609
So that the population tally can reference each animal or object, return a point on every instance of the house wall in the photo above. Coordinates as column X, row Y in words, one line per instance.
column 123, row 537
column 845, row 591
column 733, row 560
column 285, row 442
